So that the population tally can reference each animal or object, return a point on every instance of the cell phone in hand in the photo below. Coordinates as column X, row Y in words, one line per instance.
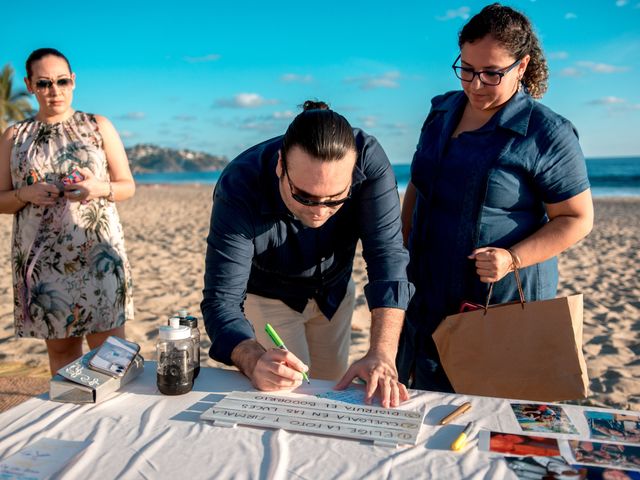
column 114, row 356
column 74, row 177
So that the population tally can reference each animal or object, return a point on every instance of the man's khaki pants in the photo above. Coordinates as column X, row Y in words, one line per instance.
column 321, row 344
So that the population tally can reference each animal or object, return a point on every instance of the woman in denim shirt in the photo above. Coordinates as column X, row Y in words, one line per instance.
column 497, row 179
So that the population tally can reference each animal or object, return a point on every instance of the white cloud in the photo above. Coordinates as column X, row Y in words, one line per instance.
column 385, row 81
column 615, row 105
column 294, row 77
column 607, row 101
column 560, row 55
column 570, row 72
column 132, row 116
column 583, row 67
column 462, row 12
column 126, row 134
column 270, row 123
column 621, row 3
column 212, row 57
column 245, row 100
column 570, row 16
column 601, row 67
column 369, row 121
column 283, row 115
column 369, row 82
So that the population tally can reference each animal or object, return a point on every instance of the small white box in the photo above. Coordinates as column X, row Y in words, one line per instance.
column 77, row 383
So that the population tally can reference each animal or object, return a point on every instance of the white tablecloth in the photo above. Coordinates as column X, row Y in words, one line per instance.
column 140, row 433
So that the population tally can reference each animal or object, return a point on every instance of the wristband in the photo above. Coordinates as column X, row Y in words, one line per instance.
column 515, row 259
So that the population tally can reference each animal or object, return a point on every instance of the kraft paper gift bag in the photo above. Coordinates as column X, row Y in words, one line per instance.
column 521, row 350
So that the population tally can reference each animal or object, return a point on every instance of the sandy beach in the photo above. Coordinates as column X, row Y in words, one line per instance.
column 166, row 227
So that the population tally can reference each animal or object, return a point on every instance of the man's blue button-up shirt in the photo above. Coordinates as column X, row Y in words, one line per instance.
column 255, row 245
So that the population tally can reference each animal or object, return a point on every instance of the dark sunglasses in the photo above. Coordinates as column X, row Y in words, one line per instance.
column 308, row 202
column 45, row 84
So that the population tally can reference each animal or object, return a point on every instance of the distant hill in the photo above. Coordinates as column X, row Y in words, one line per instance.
column 145, row 158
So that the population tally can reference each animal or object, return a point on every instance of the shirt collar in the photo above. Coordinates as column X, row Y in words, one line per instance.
column 451, row 103
column 273, row 203
column 514, row 116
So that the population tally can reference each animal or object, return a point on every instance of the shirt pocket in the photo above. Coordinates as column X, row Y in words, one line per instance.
column 505, row 190
column 511, row 209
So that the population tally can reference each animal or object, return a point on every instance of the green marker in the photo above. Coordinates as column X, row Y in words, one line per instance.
column 280, row 344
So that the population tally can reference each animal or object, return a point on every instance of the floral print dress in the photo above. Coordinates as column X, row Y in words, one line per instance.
column 71, row 275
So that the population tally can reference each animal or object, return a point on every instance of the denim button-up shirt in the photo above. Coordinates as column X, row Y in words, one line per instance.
column 255, row 245
column 486, row 187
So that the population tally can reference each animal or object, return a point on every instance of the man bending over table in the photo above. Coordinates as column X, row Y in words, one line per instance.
column 286, row 218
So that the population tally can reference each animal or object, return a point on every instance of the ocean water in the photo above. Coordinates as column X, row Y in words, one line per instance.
column 615, row 177
column 610, row 177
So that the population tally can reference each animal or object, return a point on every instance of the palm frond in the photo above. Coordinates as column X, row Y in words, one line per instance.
column 14, row 105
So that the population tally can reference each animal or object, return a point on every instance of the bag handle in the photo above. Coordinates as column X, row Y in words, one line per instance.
column 515, row 262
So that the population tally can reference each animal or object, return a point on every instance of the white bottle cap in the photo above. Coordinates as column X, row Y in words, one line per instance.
column 174, row 322
column 183, row 312
column 180, row 332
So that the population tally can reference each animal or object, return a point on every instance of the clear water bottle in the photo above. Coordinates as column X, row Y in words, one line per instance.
column 175, row 359
column 192, row 322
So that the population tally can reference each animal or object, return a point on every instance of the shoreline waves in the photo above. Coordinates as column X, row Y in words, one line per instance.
column 609, row 177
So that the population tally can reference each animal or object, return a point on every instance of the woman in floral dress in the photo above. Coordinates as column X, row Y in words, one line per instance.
column 61, row 173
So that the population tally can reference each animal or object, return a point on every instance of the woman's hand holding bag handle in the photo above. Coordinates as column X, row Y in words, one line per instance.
column 521, row 350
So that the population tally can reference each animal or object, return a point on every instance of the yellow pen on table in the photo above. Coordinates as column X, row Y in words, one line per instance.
column 461, row 441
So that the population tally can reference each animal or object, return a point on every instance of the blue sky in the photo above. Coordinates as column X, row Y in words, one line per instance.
column 220, row 77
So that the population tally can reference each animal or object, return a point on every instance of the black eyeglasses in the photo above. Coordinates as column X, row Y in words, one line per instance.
column 308, row 202
column 491, row 78
column 45, row 84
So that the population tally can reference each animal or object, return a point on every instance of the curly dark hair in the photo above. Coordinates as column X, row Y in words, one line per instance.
column 515, row 32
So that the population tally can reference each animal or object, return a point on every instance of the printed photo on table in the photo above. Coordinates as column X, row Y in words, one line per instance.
column 612, row 454
column 614, row 426
column 534, row 417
